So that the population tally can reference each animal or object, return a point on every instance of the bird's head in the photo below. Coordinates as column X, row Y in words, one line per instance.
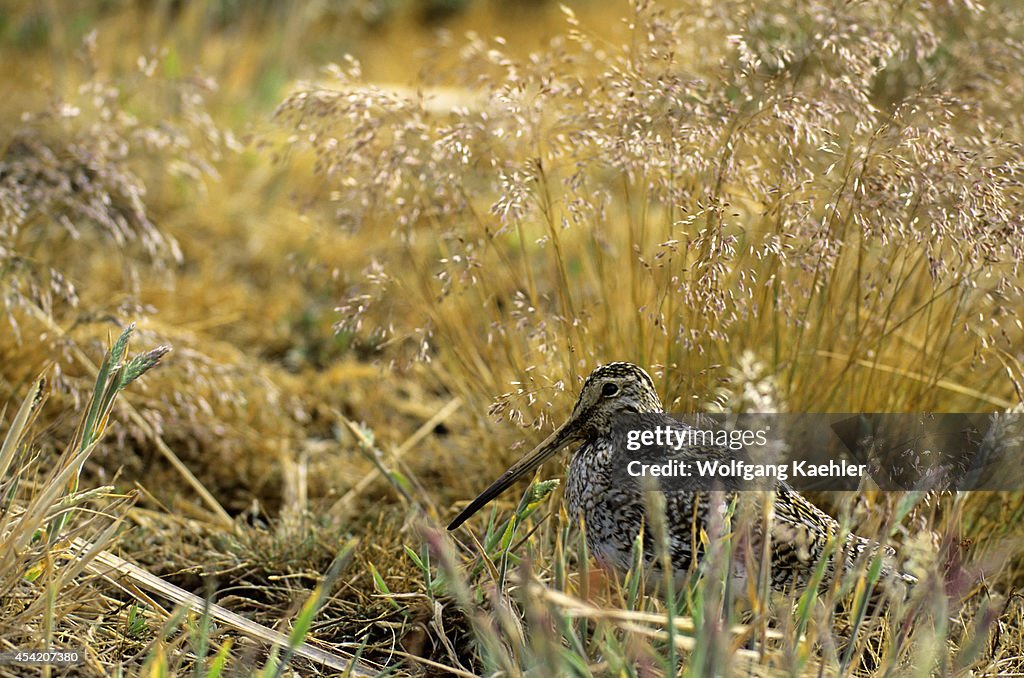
column 611, row 390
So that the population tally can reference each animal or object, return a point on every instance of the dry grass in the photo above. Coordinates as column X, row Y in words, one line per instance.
column 782, row 206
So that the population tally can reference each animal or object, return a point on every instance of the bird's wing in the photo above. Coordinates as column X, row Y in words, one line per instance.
column 799, row 531
column 800, row 534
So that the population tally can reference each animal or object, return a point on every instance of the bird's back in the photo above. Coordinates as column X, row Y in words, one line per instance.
column 613, row 506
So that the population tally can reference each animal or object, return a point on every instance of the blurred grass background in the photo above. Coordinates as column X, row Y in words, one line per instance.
column 791, row 206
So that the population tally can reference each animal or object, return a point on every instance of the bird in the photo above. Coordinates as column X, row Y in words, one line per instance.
column 616, row 398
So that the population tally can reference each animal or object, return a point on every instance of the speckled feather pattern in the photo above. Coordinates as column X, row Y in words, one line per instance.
column 613, row 508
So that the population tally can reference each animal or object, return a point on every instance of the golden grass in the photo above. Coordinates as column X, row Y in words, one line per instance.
column 734, row 195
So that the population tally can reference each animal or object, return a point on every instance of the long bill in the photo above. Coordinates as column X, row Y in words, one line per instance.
column 561, row 437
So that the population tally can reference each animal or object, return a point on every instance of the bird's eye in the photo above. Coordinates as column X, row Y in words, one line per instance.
column 609, row 389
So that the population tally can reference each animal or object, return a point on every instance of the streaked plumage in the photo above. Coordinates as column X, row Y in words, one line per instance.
column 612, row 505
